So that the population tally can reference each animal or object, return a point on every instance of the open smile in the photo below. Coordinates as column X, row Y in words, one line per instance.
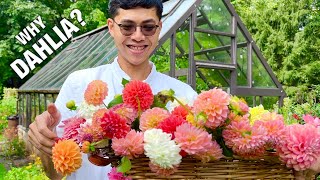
column 137, row 49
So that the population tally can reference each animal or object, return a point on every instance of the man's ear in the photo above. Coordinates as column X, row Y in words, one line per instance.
column 160, row 25
column 110, row 24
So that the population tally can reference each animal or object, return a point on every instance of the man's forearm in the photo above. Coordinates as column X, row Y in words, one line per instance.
column 49, row 168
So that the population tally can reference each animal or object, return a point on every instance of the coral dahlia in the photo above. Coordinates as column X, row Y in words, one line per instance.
column 96, row 92
column 138, row 94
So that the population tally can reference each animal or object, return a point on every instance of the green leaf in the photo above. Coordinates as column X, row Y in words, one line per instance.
column 124, row 82
column 125, row 165
column 117, row 100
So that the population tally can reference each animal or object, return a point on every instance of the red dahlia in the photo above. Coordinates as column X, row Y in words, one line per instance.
column 113, row 125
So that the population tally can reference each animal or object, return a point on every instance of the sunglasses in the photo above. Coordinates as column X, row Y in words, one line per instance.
column 127, row 29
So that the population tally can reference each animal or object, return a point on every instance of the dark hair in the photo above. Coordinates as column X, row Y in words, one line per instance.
column 114, row 5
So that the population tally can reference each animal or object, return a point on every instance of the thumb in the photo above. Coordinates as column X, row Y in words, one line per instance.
column 55, row 114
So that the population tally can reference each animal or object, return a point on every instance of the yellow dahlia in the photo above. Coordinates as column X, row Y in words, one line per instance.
column 256, row 113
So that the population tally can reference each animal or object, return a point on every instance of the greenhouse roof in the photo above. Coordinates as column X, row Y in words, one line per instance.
column 203, row 39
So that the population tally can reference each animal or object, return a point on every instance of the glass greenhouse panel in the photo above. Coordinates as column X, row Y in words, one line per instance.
column 260, row 76
column 215, row 13
column 242, row 67
column 214, row 77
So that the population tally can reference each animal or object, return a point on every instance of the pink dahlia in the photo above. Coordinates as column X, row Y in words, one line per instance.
column 125, row 111
column 181, row 111
column 162, row 171
column 245, row 141
column 212, row 154
column 269, row 116
column 91, row 133
column 115, row 175
column 71, row 127
column 214, row 103
column 299, row 147
column 138, row 94
column 275, row 128
column 152, row 117
column 311, row 120
column 192, row 140
column 96, row 92
column 130, row 146
column 113, row 125
column 170, row 124
column 234, row 117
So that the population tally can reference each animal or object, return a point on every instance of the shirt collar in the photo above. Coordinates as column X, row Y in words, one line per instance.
column 120, row 74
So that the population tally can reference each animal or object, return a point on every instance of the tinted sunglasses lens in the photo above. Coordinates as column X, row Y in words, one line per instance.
column 148, row 30
column 128, row 30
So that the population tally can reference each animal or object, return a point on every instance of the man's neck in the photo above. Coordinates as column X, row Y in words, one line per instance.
column 136, row 72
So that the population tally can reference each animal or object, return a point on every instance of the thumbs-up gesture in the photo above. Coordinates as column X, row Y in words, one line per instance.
column 41, row 131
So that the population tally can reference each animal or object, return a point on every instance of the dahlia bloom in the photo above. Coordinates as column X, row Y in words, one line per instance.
column 66, row 157
column 96, row 92
column 299, row 147
column 214, row 104
column 98, row 114
column 85, row 148
column 175, row 103
column 71, row 127
column 256, row 113
column 239, row 105
column 130, row 146
column 113, row 125
column 275, row 128
column 86, row 110
column 192, row 140
column 234, row 117
column 270, row 116
column 311, row 120
column 138, row 94
column 161, row 150
column 162, row 171
column 244, row 140
column 126, row 111
column 91, row 133
column 115, row 175
column 170, row 124
column 152, row 117
column 212, row 154
column 181, row 111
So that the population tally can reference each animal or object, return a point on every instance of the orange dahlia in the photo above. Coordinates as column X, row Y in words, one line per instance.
column 96, row 92
column 66, row 157
column 138, row 94
column 98, row 114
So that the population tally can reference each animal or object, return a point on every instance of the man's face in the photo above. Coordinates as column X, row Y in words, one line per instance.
column 136, row 48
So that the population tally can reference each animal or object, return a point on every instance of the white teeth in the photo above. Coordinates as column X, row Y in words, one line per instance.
column 136, row 47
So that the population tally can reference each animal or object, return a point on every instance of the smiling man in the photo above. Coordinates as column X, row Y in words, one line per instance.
column 135, row 26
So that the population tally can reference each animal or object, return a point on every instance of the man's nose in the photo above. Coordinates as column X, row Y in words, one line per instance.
column 138, row 35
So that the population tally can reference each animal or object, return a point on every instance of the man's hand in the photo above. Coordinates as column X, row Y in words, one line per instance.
column 41, row 133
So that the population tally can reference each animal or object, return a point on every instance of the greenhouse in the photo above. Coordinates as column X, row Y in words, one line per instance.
column 202, row 42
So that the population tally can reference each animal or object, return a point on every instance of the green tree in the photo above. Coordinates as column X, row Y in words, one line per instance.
column 288, row 34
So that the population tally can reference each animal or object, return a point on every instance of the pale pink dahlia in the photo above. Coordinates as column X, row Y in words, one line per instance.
column 162, row 171
column 212, row 154
column 268, row 116
column 192, row 140
column 233, row 117
column 299, row 147
column 152, row 117
column 71, row 127
column 235, row 130
column 138, row 94
column 214, row 103
column 311, row 120
column 96, row 92
column 126, row 111
column 130, row 146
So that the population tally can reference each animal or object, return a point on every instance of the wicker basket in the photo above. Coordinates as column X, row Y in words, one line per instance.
column 222, row 169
